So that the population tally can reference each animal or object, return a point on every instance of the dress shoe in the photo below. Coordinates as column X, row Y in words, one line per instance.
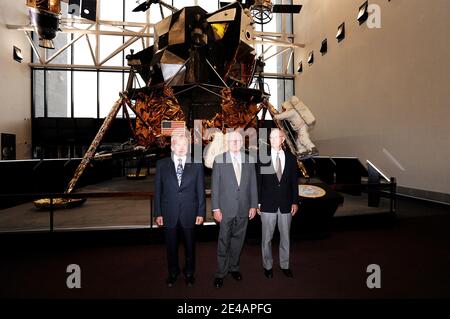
column 236, row 275
column 190, row 279
column 287, row 272
column 171, row 279
column 268, row 273
column 218, row 282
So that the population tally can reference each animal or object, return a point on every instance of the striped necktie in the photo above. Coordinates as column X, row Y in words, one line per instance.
column 179, row 170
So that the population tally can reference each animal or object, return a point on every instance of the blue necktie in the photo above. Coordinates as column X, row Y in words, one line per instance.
column 179, row 170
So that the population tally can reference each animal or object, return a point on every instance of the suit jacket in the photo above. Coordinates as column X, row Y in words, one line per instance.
column 276, row 194
column 184, row 202
column 226, row 195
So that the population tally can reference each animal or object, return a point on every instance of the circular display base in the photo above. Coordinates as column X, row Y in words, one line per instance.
column 44, row 203
column 311, row 191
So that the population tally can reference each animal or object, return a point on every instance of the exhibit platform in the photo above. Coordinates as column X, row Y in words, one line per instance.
column 121, row 203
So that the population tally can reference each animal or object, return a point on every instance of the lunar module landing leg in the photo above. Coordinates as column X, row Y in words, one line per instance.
column 89, row 155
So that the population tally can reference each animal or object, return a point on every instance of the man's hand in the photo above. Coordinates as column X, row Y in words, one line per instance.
column 217, row 215
column 199, row 220
column 159, row 221
column 252, row 213
column 294, row 209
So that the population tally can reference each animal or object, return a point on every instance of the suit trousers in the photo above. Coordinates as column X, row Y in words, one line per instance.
column 229, row 246
column 171, row 236
column 269, row 221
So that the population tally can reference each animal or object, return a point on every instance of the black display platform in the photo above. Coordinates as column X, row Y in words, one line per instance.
column 314, row 217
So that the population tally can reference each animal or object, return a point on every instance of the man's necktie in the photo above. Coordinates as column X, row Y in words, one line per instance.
column 179, row 170
column 279, row 172
column 237, row 170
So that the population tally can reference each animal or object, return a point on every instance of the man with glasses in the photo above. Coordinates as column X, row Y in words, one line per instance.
column 234, row 199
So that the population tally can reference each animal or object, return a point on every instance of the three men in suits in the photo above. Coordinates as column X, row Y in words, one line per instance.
column 234, row 199
column 179, row 204
column 278, row 199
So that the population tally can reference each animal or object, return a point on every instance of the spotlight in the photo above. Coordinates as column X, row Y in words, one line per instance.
column 17, row 54
column 324, row 47
column 87, row 8
column 311, row 58
column 341, row 32
column 300, row 67
column 363, row 14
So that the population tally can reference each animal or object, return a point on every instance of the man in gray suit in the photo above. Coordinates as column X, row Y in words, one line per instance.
column 234, row 199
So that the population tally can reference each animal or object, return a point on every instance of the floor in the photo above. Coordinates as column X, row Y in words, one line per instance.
column 413, row 253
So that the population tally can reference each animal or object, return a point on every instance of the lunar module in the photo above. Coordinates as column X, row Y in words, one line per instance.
column 199, row 69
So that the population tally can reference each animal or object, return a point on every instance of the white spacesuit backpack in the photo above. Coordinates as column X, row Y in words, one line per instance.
column 216, row 147
column 303, row 110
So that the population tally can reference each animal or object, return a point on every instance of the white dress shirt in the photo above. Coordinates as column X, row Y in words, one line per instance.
column 237, row 166
column 175, row 161
column 236, row 157
column 274, row 159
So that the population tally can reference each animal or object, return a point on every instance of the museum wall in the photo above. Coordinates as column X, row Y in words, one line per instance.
column 15, row 79
column 381, row 94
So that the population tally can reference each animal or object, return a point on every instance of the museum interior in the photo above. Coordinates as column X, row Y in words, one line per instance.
column 93, row 89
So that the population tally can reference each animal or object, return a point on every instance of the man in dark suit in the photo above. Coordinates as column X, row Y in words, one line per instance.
column 179, row 204
column 278, row 194
column 234, row 199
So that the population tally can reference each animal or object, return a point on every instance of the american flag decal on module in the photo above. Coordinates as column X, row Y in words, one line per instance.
column 167, row 127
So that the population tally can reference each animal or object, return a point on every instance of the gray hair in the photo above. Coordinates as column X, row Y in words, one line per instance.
column 180, row 134
column 234, row 132
column 277, row 130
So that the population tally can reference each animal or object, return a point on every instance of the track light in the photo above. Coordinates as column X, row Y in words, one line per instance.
column 85, row 8
column 341, row 32
column 311, row 58
column 300, row 67
column 17, row 54
column 324, row 47
column 362, row 13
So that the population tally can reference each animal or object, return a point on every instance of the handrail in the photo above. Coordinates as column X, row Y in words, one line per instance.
column 391, row 186
column 81, row 195
column 87, row 195
column 150, row 194
column 52, row 196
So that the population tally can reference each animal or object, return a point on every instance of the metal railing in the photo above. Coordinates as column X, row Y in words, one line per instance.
column 27, row 197
column 80, row 195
